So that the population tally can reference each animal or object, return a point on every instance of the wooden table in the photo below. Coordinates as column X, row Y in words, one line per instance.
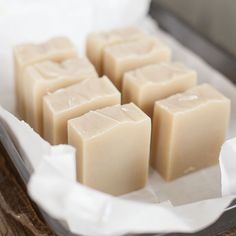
column 18, row 215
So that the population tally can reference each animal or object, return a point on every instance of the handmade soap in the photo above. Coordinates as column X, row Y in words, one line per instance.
column 121, row 58
column 45, row 77
column 112, row 148
column 97, row 42
column 188, row 131
column 55, row 49
column 148, row 84
column 74, row 101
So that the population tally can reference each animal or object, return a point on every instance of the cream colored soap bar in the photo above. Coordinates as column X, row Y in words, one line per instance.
column 148, row 84
column 45, row 77
column 127, row 56
column 97, row 42
column 188, row 131
column 55, row 49
column 112, row 148
column 74, row 101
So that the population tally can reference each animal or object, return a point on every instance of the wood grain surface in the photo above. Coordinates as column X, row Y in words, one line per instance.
column 18, row 215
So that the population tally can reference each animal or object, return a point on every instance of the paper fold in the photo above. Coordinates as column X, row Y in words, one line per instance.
column 228, row 167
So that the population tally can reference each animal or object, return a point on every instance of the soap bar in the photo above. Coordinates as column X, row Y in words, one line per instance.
column 55, row 49
column 148, row 84
column 127, row 56
column 188, row 131
column 112, row 148
column 97, row 41
column 74, row 101
column 45, row 77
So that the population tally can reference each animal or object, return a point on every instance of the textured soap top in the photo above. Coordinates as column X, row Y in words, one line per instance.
column 97, row 122
column 28, row 53
column 118, row 35
column 192, row 98
column 83, row 92
column 74, row 67
column 139, row 47
column 158, row 73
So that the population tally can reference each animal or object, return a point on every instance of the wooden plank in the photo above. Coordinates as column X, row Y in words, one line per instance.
column 18, row 215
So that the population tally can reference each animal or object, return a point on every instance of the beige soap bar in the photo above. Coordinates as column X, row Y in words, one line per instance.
column 55, row 49
column 97, row 42
column 112, row 148
column 148, row 84
column 127, row 56
column 74, row 101
column 188, row 131
column 45, row 77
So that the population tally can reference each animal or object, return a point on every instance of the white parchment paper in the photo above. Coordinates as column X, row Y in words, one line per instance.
column 187, row 204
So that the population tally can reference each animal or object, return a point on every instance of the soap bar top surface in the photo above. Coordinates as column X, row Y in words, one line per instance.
column 97, row 122
column 83, row 92
column 162, row 73
column 117, row 35
column 30, row 53
column 191, row 99
column 70, row 68
column 139, row 47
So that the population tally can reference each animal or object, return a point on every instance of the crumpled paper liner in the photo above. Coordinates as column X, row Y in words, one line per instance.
column 228, row 167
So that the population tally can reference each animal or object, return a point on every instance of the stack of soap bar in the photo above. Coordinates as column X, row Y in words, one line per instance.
column 112, row 148
column 148, row 84
column 121, row 58
column 55, row 49
column 45, row 77
column 74, row 101
column 96, row 43
column 188, row 131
